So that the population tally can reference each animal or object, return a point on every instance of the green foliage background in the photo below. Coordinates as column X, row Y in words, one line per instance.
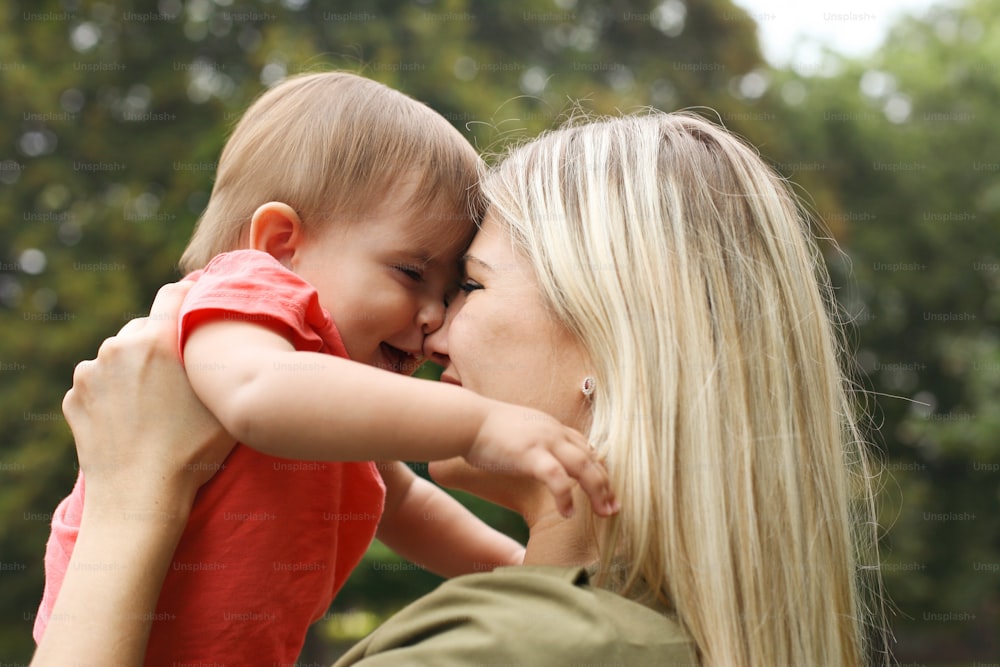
column 114, row 114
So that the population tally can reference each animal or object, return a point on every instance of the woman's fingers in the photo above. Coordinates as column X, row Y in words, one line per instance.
column 133, row 326
column 164, row 309
column 167, row 304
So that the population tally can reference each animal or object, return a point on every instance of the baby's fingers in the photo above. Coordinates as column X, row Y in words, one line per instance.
column 583, row 465
column 549, row 470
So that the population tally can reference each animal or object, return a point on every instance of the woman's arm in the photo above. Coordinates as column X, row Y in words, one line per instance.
column 313, row 406
column 145, row 444
column 107, row 601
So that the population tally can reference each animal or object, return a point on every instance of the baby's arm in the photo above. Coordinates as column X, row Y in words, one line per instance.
column 312, row 406
column 426, row 526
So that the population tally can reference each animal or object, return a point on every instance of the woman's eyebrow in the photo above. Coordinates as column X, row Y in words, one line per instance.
column 472, row 258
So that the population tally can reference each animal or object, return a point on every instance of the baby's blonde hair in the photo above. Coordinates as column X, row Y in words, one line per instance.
column 683, row 265
column 332, row 145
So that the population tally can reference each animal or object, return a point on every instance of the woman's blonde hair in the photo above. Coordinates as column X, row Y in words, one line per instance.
column 683, row 264
column 332, row 144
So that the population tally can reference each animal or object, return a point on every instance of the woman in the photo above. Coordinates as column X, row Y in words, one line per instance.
column 647, row 280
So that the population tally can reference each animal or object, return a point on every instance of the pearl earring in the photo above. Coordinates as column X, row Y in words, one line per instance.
column 589, row 383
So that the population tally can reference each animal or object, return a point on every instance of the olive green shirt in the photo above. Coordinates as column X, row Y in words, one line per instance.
column 524, row 616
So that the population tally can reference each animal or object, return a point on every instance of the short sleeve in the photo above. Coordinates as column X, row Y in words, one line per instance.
column 252, row 286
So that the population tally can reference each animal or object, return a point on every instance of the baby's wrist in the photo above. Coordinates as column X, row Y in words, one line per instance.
column 478, row 414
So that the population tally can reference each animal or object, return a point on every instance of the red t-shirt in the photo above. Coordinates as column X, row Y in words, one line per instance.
column 270, row 541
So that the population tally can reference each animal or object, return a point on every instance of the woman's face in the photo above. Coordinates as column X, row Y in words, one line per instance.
column 499, row 340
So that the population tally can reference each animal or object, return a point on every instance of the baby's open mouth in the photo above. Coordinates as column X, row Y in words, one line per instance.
column 397, row 360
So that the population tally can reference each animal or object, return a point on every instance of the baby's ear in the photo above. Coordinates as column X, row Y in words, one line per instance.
column 276, row 229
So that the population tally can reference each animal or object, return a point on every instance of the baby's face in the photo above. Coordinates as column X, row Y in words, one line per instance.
column 384, row 278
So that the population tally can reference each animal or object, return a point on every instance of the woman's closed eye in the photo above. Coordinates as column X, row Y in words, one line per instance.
column 461, row 290
column 469, row 286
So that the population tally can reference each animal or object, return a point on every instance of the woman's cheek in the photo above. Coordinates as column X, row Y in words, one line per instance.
column 458, row 343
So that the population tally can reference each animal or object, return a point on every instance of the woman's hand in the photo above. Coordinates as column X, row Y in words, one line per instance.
column 144, row 440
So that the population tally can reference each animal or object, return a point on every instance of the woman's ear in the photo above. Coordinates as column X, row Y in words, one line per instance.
column 276, row 229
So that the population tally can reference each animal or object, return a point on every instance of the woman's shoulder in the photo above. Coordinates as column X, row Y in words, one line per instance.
column 562, row 598
column 525, row 615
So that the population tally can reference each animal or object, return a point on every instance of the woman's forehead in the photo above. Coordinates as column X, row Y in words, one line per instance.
column 491, row 244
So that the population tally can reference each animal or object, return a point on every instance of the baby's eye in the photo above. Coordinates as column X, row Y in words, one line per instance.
column 411, row 271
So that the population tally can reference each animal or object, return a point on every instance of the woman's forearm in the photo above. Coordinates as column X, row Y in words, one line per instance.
column 108, row 598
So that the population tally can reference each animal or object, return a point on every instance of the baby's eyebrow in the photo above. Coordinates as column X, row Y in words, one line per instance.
column 416, row 257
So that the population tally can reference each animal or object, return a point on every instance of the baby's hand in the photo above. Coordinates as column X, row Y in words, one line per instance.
column 517, row 440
